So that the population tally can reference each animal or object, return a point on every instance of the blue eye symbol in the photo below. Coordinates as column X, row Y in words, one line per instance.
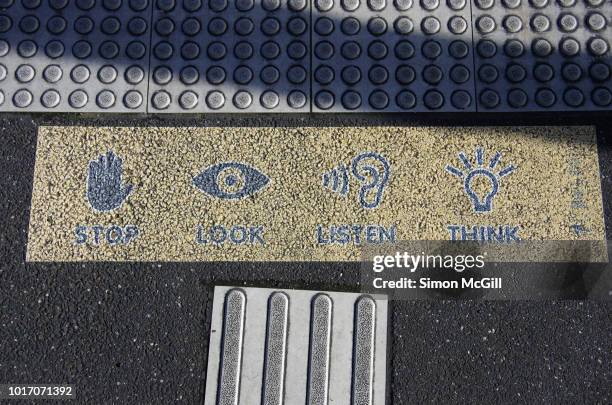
column 230, row 180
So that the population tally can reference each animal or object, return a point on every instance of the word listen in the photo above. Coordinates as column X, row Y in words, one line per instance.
column 355, row 234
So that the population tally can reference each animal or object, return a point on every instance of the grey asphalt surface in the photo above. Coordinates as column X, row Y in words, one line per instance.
column 138, row 332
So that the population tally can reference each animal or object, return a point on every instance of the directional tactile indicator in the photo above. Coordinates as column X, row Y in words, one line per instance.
column 543, row 54
column 83, row 55
column 295, row 347
column 373, row 55
column 230, row 56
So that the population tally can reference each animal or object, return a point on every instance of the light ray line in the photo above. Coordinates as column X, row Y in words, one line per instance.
column 494, row 160
column 454, row 170
column 506, row 171
column 479, row 153
column 465, row 160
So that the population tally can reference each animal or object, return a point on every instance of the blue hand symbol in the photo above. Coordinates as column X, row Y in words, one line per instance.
column 104, row 189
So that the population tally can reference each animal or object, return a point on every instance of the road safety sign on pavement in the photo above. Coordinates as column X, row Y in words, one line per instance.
column 301, row 194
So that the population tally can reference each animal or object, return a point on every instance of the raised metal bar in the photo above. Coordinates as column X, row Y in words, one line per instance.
column 363, row 351
column 320, row 347
column 276, row 348
column 231, row 349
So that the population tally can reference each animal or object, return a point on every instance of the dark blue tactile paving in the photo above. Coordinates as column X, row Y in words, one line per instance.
column 83, row 55
column 255, row 56
column 230, row 56
column 386, row 55
column 538, row 55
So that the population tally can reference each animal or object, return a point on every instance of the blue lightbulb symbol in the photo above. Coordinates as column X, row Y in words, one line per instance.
column 484, row 203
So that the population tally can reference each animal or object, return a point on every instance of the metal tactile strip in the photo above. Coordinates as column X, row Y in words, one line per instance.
column 276, row 348
column 83, row 55
column 231, row 354
column 230, row 56
column 392, row 55
column 542, row 54
column 294, row 347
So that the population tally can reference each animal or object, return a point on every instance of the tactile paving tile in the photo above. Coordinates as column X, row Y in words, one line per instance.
column 543, row 54
column 392, row 55
column 295, row 347
column 255, row 55
column 230, row 56
column 67, row 55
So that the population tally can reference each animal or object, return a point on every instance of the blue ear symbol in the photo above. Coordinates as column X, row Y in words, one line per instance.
column 230, row 180
column 482, row 203
column 362, row 167
column 370, row 169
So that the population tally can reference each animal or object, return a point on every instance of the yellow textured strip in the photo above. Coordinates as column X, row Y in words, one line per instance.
column 295, row 194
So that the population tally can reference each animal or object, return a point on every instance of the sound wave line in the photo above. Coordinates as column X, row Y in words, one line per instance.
column 339, row 178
